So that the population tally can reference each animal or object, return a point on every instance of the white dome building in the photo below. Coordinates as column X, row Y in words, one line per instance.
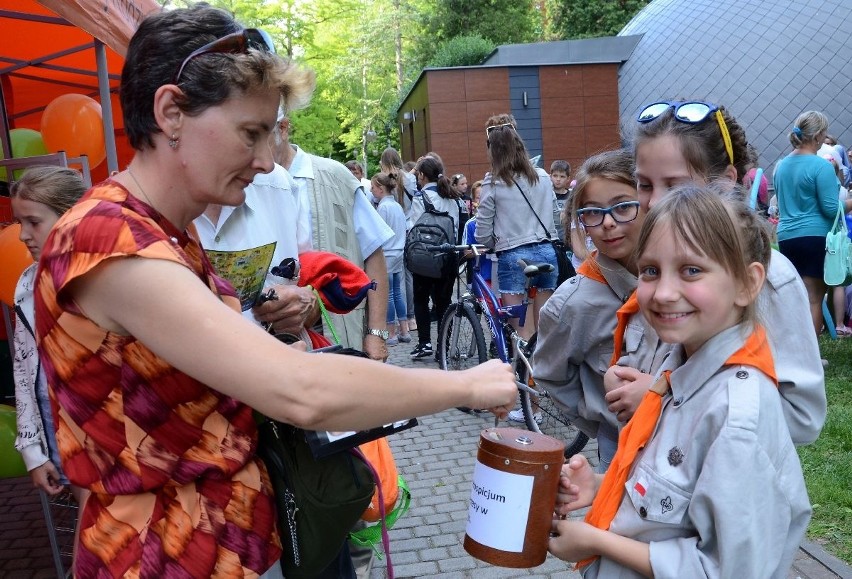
column 766, row 61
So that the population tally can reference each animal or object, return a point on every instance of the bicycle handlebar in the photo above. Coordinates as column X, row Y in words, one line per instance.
column 476, row 248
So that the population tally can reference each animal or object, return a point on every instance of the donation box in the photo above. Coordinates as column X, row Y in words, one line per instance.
column 512, row 497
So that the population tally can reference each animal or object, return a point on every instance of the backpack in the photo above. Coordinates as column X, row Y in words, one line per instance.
column 432, row 228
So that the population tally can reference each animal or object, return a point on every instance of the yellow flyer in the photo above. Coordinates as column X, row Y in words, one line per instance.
column 245, row 269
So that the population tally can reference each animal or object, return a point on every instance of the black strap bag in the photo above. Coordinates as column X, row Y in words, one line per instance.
column 565, row 269
column 318, row 500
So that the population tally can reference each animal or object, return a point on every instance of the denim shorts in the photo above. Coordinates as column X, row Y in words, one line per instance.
column 510, row 275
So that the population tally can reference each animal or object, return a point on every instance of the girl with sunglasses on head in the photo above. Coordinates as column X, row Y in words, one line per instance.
column 575, row 328
column 706, row 481
column 807, row 190
column 151, row 369
column 694, row 142
column 515, row 218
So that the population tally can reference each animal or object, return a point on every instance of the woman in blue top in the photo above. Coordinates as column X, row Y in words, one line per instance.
column 807, row 191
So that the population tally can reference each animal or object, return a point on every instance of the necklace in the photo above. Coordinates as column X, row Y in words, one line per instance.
column 141, row 190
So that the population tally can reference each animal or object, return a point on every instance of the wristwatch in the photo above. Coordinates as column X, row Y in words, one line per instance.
column 383, row 334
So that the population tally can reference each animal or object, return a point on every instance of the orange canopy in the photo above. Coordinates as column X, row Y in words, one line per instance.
column 47, row 49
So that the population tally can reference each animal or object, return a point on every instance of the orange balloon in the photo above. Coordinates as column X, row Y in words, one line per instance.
column 74, row 123
column 14, row 259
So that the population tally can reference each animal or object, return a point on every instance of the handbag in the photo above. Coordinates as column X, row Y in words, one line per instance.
column 837, row 270
column 564, row 268
column 318, row 500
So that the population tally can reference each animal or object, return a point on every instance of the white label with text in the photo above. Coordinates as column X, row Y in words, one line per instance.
column 499, row 508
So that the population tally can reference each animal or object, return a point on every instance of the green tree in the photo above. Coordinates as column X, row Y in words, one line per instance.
column 585, row 19
column 500, row 21
column 462, row 51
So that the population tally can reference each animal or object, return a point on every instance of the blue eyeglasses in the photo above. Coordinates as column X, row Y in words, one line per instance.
column 235, row 43
column 623, row 212
column 691, row 112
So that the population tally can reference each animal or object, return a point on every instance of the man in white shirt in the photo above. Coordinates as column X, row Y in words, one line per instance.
column 343, row 221
column 271, row 213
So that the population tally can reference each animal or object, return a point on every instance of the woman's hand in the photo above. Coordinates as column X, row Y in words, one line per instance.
column 625, row 387
column 578, row 485
column 492, row 386
column 46, row 478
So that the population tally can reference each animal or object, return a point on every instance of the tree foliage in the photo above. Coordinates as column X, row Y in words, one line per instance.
column 588, row 19
column 500, row 21
column 462, row 51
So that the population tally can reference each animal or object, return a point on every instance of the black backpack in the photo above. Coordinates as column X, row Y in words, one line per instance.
column 432, row 228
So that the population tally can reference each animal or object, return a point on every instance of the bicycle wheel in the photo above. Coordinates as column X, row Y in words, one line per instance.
column 461, row 343
column 551, row 421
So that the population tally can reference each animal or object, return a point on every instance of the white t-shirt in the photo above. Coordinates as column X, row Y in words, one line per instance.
column 271, row 212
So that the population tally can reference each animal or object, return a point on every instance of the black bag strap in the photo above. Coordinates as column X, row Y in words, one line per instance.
column 427, row 203
column 23, row 319
column 540, row 222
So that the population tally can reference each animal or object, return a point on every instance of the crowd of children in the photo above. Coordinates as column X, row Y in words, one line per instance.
column 660, row 347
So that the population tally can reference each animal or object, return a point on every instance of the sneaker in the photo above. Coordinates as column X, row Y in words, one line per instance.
column 404, row 338
column 421, row 351
column 518, row 416
column 392, row 341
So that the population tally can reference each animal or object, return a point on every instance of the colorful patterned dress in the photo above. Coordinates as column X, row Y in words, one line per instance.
column 177, row 490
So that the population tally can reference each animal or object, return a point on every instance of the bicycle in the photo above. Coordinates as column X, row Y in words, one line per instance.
column 461, row 344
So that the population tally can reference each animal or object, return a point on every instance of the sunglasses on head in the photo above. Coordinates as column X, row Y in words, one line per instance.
column 690, row 112
column 235, row 43
column 495, row 127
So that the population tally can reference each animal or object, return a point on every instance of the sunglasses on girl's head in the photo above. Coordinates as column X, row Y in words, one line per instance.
column 494, row 127
column 623, row 212
column 235, row 43
column 686, row 112
column 691, row 112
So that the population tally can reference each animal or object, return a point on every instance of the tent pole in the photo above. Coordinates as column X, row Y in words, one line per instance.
column 4, row 128
column 106, row 106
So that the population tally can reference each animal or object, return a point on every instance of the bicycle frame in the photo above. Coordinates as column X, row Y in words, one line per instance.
column 497, row 314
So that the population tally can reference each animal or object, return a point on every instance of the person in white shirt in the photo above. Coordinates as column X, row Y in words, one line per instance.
column 343, row 221
column 271, row 213
column 358, row 172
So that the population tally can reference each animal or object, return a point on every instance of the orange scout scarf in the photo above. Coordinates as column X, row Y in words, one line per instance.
column 755, row 353
column 592, row 270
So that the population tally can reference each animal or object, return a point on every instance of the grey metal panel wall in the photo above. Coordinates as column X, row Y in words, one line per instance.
column 767, row 61
column 525, row 80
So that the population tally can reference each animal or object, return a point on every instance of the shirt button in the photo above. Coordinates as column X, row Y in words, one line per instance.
column 643, row 512
column 742, row 374
column 677, row 401
column 218, row 239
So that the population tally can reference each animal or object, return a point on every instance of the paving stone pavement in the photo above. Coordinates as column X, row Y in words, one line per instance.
column 436, row 458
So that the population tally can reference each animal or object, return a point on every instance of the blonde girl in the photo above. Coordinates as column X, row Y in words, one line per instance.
column 384, row 187
column 575, row 335
column 39, row 198
column 680, row 500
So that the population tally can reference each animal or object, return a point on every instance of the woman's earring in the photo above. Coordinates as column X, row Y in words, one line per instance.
column 173, row 142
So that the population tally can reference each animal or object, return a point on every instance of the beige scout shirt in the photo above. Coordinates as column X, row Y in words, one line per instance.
column 575, row 344
column 718, row 492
